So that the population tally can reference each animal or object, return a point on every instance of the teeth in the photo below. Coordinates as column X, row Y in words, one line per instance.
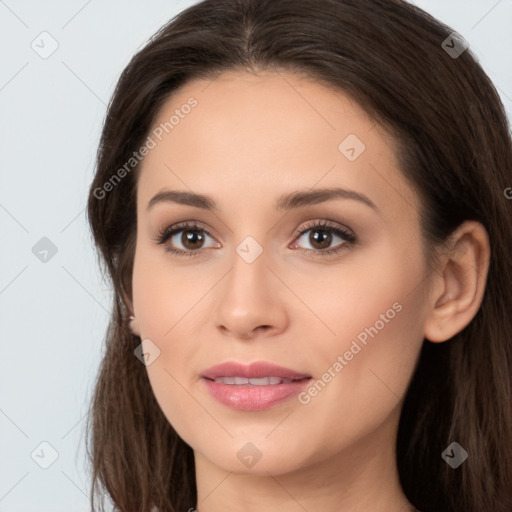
column 263, row 381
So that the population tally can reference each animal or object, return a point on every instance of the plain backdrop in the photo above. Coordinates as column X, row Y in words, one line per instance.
column 54, row 305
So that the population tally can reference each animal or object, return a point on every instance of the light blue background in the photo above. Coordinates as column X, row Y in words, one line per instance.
column 54, row 314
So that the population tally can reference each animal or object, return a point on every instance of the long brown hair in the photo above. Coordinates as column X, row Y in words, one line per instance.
column 453, row 142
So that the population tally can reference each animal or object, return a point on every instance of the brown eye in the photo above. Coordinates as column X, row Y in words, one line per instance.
column 320, row 238
column 322, row 235
column 191, row 237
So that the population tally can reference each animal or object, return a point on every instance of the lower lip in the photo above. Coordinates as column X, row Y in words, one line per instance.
column 254, row 398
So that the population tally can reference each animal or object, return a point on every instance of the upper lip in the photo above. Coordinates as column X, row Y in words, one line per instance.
column 255, row 370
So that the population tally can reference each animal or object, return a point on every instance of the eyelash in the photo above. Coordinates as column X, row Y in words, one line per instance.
column 349, row 238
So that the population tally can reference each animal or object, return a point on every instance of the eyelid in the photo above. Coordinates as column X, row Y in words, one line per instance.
column 169, row 231
column 348, row 236
column 328, row 225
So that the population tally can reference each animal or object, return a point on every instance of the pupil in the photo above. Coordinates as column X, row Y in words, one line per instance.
column 324, row 239
column 192, row 236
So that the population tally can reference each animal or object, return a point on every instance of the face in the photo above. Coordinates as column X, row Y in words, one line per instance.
column 331, row 286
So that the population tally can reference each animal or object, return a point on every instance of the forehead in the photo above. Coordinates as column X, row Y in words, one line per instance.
column 268, row 134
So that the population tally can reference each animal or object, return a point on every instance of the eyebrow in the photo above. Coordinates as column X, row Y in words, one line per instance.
column 289, row 201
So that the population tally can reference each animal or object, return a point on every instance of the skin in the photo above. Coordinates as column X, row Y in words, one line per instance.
column 251, row 138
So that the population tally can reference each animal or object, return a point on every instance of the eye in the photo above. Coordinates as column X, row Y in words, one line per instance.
column 322, row 235
column 193, row 236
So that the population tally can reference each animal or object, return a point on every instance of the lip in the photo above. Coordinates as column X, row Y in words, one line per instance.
column 253, row 398
column 254, row 370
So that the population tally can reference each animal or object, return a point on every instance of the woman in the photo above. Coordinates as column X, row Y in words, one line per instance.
column 302, row 209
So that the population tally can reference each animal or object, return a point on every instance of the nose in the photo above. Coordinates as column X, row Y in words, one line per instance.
column 251, row 300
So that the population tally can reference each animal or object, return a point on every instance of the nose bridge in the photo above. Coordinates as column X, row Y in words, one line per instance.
column 248, row 297
column 249, row 273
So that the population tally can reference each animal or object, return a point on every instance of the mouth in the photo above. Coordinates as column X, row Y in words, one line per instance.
column 255, row 387
column 259, row 373
column 262, row 381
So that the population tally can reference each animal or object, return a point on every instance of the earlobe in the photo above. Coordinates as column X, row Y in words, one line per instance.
column 460, row 282
column 134, row 325
column 131, row 321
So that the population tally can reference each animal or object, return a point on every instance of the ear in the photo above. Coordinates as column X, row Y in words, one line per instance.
column 458, row 284
column 132, row 322
column 134, row 326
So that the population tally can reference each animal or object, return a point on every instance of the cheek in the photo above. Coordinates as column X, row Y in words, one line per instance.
column 372, row 295
column 163, row 294
column 375, row 314
column 164, row 303
column 362, row 374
